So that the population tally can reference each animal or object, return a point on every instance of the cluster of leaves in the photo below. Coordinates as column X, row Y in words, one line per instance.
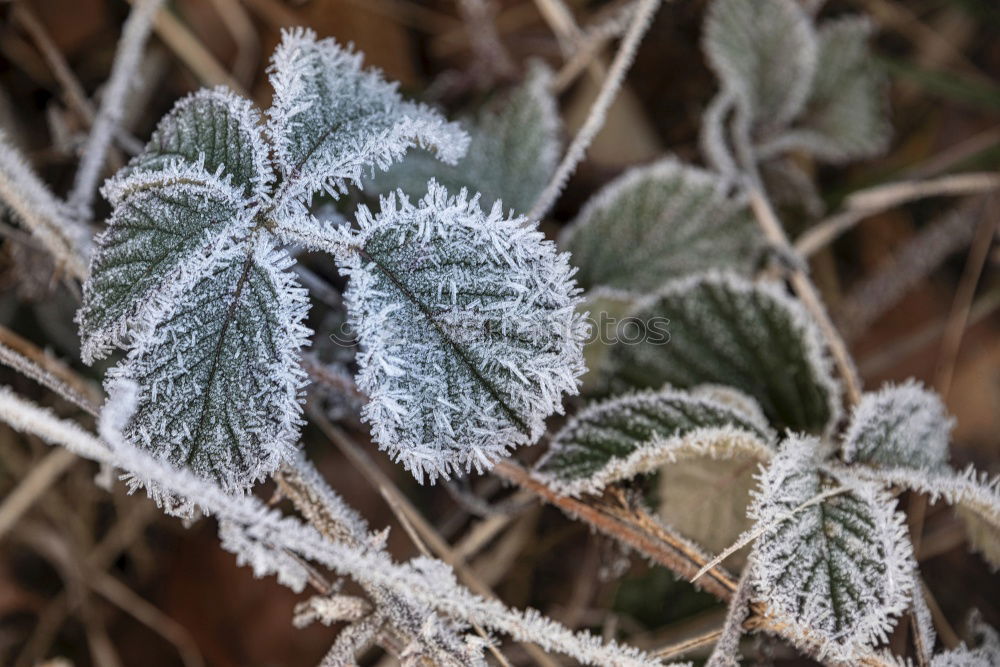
column 191, row 278
column 745, row 376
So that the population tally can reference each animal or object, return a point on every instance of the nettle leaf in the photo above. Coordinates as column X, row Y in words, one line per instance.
column 330, row 121
column 729, row 331
column 903, row 425
column 189, row 277
column 660, row 222
column 841, row 565
column 765, row 52
column 630, row 435
column 513, row 150
column 468, row 330
column 845, row 116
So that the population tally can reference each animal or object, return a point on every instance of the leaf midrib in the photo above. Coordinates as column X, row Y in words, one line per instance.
column 459, row 351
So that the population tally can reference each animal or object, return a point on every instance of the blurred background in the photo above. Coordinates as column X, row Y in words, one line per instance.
column 103, row 579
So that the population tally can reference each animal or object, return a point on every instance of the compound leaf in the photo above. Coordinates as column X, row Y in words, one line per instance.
column 467, row 327
column 834, row 554
column 660, row 222
column 630, row 435
column 729, row 331
column 330, row 120
column 765, row 52
column 903, row 425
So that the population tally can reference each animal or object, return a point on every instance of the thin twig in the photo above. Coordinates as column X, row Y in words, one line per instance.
column 641, row 20
column 958, row 317
column 30, row 369
column 726, row 651
column 42, row 475
column 75, row 95
column 866, row 203
column 688, row 645
column 37, row 209
column 401, row 505
column 128, row 57
column 808, row 295
column 665, row 548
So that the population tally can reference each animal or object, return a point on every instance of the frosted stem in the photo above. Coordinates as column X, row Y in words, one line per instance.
column 126, row 64
column 598, row 112
column 38, row 209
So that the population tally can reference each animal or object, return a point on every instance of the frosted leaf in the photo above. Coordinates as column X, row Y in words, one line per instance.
column 765, row 52
column 727, row 330
column 219, row 372
column 188, row 278
column 467, row 327
column 163, row 226
column 217, row 128
column 841, row 567
column 630, row 435
column 331, row 120
column 904, row 425
column 975, row 495
column 845, row 116
column 513, row 150
column 658, row 222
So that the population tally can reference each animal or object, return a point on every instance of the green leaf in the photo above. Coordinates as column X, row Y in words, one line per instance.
column 468, row 330
column 659, row 222
column 903, row 425
column 513, row 150
column 331, row 120
column 729, row 331
column 164, row 224
column 219, row 378
column 834, row 555
column 630, row 435
column 216, row 128
column 765, row 51
column 846, row 115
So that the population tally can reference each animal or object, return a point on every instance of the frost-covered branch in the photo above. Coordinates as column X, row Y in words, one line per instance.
column 641, row 19
column 128, row 57
column 423, row 581
column 38, row 209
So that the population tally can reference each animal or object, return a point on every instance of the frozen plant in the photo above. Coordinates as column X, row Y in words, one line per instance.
column 468, row 332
